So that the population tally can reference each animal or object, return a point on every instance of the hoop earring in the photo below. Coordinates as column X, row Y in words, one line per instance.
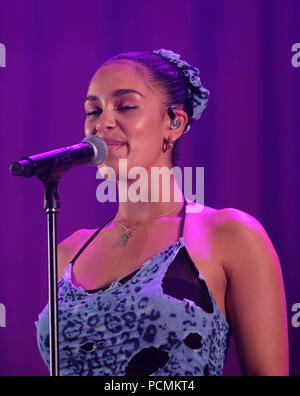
column 168, row 144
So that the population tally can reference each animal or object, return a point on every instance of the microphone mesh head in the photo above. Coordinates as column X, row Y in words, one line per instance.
column 16, row 169
column 100, row 149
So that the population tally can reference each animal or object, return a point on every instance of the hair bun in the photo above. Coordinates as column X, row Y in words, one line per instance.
column 197, row 93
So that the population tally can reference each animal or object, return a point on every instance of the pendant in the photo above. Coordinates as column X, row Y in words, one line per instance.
column 125, row 237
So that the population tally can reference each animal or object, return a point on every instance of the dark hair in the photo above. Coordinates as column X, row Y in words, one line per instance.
column 168, row 76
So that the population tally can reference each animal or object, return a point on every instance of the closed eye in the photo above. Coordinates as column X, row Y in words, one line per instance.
column 124, row 108
column 93, row 113
column 121, row 109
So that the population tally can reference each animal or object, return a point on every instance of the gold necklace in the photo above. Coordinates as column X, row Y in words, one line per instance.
column 128, row 232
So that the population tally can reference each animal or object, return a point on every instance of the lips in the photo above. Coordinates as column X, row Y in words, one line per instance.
column 113, row 145
column 113, row 142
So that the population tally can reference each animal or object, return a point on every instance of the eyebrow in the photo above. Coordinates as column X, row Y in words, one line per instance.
column 116, row 93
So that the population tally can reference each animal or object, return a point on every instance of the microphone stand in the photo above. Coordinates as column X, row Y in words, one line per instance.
column 61, row 164
column 52, row 206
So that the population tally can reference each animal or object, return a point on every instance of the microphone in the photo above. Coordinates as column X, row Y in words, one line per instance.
column 92, row 150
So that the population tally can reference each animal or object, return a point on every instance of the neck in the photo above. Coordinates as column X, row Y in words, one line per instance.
column 132, row 213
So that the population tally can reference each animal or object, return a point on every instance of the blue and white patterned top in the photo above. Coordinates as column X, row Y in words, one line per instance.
column 163, row 321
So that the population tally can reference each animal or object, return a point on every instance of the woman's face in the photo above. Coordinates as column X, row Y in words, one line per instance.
column 123, row 109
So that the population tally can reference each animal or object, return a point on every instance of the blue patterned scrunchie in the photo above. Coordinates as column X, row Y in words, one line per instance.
column 198, row 94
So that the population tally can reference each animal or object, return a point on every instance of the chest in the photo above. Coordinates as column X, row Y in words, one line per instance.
column 105, row 260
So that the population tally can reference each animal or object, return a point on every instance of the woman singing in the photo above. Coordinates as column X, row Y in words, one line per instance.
column 160, row 287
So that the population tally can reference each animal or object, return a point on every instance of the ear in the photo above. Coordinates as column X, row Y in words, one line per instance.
column 182, row 116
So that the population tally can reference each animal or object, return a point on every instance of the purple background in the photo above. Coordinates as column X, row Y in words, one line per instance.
column 247, row 139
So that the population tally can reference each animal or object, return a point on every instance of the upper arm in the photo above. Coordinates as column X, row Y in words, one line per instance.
column 255, row 296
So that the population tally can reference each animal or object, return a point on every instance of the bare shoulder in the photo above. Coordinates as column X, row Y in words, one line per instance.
column 235, row 223
column 235, row 218
column 238, row 235
column 245, row 242
column 69, row 247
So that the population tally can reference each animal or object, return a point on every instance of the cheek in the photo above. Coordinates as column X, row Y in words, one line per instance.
column 145, row 134
column 144, row 121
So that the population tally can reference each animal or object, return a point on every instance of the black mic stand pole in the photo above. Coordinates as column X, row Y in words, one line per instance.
column 61, row 164
column 52, row 206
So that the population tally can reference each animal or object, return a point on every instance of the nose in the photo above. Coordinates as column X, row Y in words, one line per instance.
column 100, row 130
column 105, row 123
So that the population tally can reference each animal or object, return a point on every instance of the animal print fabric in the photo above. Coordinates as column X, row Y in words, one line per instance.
column 142, row 327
